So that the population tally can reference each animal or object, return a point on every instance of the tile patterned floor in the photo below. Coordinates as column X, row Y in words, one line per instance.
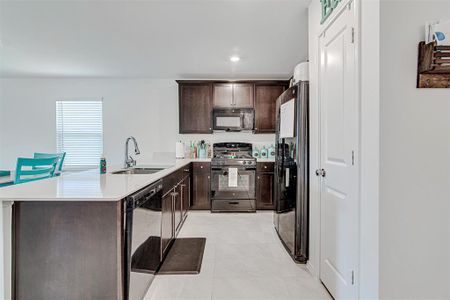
column 243, row 260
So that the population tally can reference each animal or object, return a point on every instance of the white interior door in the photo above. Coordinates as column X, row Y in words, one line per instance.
column 338, row 148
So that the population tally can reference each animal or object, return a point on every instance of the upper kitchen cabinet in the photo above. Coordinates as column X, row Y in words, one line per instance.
column 233, row 95
column 195, row 107
column 266, row 94
column 223, row 94
column 243, row 94
column 197, row 98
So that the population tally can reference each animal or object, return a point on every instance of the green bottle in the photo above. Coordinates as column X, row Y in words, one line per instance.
column 103, row 165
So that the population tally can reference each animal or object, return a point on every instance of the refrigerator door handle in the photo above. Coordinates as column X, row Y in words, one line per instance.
column 287, row 177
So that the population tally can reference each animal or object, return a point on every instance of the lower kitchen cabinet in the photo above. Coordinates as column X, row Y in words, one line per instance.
column 167, row 232
column 175, row 204
column 185, row 192
column 178, row 209
column 67, row 250
column 201, row 186
column 265, row 186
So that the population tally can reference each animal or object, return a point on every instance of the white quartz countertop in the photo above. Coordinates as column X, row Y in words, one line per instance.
column 87, row 185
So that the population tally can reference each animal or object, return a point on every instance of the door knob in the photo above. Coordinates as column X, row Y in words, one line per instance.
column 321, row 172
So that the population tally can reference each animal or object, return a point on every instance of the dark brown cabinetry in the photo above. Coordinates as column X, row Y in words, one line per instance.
column 167, row 232
column 195, row 107
column 175, row 204
column 67, row 250
column 223, row 94
column 233, row 95
column 178, row 210
column 185, row 192
column 201, row 186
column 198, row 97
column 265, row 186
column 243, row 94
column 266, row 95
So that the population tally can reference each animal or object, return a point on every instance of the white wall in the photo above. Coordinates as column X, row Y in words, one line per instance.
column 1, row 114
column 144, row 108
column 415, row 164
column 369, row 37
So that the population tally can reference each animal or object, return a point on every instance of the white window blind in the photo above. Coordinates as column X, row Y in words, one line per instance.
column 79, row 132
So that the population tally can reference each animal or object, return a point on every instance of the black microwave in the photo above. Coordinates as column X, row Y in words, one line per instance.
column 233, row 119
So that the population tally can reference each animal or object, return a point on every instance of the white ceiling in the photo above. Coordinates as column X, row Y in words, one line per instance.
column 152, row 39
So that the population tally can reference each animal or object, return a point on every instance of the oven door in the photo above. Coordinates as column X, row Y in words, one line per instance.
column 224, row 186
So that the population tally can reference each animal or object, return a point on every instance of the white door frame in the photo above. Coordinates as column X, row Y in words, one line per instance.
column 367, row 91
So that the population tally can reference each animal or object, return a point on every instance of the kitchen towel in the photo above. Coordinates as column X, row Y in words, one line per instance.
column 232, row 177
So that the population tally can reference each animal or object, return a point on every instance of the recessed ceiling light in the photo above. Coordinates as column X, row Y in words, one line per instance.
column 235, row 58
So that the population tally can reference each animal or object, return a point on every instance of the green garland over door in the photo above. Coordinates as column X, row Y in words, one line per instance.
column 327, row 8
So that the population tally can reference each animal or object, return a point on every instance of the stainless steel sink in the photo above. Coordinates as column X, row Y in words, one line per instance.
column 139, row 171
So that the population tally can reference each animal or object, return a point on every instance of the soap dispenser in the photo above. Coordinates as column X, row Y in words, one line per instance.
column 255, row 152
column 264, row 152
column 271, row 151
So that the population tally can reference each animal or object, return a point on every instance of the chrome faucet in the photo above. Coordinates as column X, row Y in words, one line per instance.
column 129, row 161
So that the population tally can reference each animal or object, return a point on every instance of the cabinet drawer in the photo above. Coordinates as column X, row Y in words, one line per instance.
column 265, row 167
column 233, row 205
column 201, row 167
column 173, row 179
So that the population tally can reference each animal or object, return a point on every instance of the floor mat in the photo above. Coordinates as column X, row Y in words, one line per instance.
column 184, row 257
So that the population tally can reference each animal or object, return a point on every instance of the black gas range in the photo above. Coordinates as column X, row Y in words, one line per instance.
column 233, row 178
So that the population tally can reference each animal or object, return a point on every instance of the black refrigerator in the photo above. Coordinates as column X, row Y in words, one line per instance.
column 291, row 216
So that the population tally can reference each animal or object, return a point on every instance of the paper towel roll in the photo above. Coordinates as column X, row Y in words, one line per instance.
column 179, row 150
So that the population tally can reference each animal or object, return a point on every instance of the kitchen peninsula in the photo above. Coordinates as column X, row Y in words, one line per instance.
column 68, row 232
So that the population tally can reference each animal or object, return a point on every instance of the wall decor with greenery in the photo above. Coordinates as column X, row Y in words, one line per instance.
column 327, row 8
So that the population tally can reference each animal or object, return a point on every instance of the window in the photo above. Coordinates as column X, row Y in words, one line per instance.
column 79, row 132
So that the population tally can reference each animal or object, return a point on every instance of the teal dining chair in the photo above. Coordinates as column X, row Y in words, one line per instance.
column 31, row 169
column 61, row 156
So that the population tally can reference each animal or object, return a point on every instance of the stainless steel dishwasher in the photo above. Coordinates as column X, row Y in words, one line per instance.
column 143, row 253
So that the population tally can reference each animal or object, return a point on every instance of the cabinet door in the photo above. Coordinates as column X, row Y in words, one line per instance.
column 201, row 185
column 167, row 232
column 264, row 191
column 265, row 107
column 195, row 105
column 185, row 195
column 243, row 95
column 177, row 208
column 223, row 95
